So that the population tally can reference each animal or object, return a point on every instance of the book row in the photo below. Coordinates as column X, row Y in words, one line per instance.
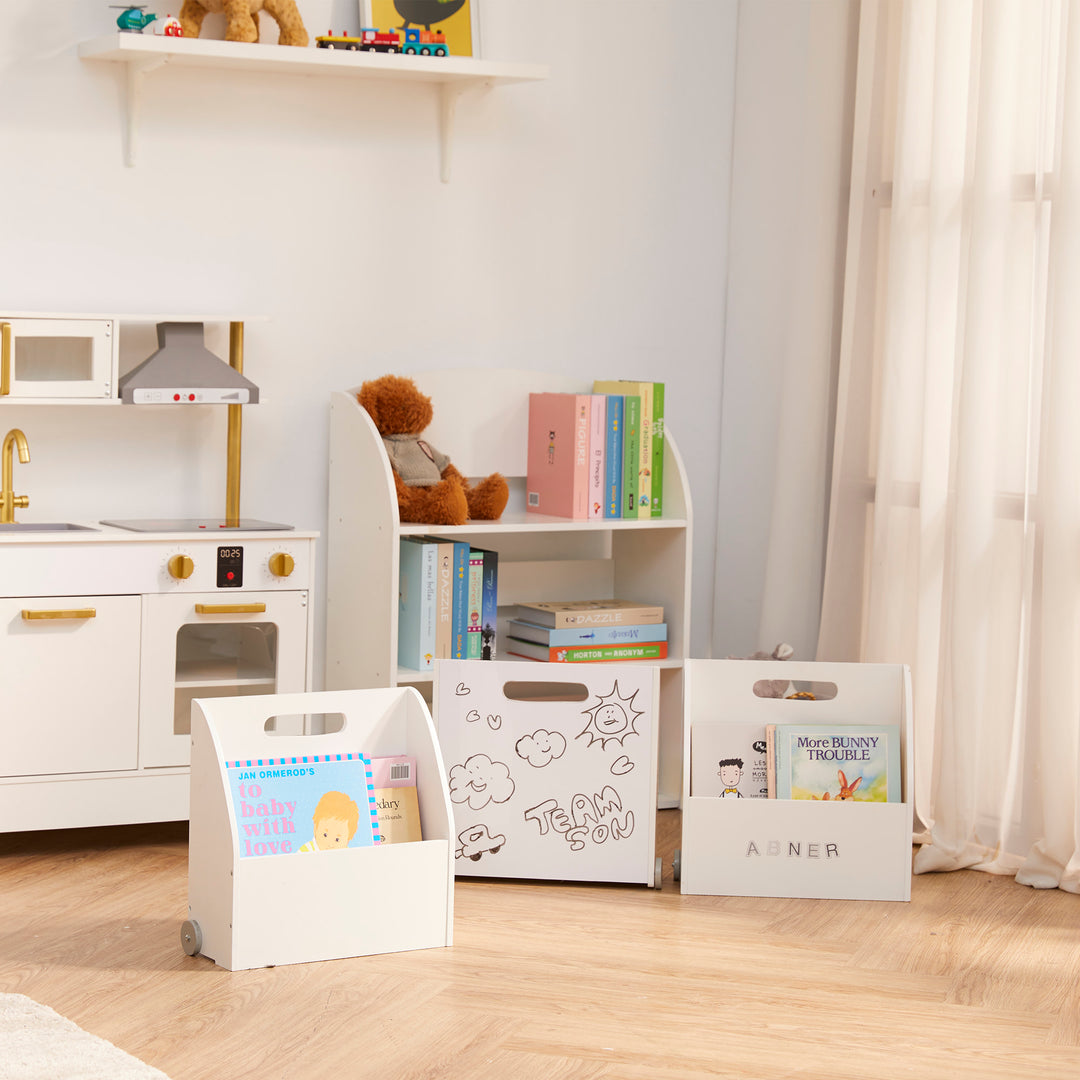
column 588, row 631
column 598, row 455
column 447, row 601
column 824, row 762
column 350, row 800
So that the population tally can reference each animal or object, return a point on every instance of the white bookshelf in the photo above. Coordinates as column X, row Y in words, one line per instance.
column 481, row 419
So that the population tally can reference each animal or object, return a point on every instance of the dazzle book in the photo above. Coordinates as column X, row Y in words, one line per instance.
column 314, row 803
column 845, row 762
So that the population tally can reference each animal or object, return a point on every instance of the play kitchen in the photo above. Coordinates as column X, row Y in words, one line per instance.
column 110, row 629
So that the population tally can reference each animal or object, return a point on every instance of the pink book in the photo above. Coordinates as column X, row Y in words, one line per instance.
column 557, row 483
column 597, row 454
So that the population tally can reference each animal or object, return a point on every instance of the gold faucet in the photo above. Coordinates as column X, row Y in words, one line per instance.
column 8, row 499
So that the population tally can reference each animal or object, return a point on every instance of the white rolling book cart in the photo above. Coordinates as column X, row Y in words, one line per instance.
column 832, row 849
column 247, row 909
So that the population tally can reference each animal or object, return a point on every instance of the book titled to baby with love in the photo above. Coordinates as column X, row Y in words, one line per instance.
column 299, row 805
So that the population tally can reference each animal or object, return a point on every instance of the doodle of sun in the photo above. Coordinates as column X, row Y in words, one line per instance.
column 612, row 718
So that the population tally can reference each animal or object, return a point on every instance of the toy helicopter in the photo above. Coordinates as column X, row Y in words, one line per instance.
column 132, row 18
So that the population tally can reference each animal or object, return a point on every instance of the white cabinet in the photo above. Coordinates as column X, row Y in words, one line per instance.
column 481, row 419
column 57, row 359
column 202, row 646
column 69, row 672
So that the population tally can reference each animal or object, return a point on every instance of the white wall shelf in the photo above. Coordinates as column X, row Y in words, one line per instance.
column 540, row 557
column 452, row 75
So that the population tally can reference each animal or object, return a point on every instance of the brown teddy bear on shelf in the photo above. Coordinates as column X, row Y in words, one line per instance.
column 430, row 490
column 242, row 24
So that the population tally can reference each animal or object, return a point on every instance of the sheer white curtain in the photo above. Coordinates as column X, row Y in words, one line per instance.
column 954, row 538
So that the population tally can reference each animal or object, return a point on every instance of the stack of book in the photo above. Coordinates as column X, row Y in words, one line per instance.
column 822, row 761
column 587, row 631
column 447, row 601
column 598, row 455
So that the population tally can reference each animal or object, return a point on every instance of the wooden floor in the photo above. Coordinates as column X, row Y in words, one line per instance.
column 975, row 977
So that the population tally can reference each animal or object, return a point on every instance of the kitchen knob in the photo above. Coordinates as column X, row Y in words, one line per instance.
column 281, row 564
column 181, row 566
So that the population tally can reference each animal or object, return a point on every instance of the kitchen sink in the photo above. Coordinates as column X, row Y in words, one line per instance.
column 44, row 526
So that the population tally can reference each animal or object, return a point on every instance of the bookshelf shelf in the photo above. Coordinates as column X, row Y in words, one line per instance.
column 540, row 558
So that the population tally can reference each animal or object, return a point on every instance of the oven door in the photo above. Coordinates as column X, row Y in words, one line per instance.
column 206, row 645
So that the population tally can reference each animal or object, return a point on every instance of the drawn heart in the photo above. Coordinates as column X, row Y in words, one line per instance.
column 461, row 689
column 621, row 765
column 472, row 716
column 494, row 722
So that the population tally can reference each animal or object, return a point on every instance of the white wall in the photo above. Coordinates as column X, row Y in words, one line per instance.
column 791, row 167
column 584, row 230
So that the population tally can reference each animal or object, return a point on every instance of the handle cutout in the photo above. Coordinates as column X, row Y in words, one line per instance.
column 293, row 724
column 545, row 691
column 798, row 689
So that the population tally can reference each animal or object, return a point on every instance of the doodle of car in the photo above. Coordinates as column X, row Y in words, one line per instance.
column 476, row 841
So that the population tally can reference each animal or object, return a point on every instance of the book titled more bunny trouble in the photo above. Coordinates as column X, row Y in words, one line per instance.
column 834, row 762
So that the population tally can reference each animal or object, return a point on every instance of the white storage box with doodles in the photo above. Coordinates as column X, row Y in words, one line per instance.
column 827, row 845
column 264, row 886
column 551, row 768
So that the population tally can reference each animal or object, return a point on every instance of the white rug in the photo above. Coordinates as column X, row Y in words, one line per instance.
column 37, row 1043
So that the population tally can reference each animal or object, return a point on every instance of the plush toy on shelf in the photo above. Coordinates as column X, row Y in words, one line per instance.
column 771, row 688
column 430, row 490
column 242, row 19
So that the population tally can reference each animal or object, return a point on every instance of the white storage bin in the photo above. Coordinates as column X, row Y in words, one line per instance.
column 247, row 912
column 797, row 848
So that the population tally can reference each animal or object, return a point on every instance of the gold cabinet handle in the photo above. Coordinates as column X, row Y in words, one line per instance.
column 68, row 613
column 228, row 609
column 5, row 359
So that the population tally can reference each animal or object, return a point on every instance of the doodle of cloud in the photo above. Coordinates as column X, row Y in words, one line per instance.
column 541, row 747
column 480, row 781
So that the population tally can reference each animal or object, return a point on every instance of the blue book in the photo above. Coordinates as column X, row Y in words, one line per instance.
column 416, row 604
column 632, row 634
column 490, row 605
column 613, row 457
column 460, row 617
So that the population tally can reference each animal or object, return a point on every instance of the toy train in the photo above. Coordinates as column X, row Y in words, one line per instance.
column 417, row 42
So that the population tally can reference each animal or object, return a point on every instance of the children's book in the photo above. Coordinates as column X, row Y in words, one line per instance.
column 444, row 596
column 631, row 460
column 283, row 806
column 631, row 634
column 728, row 760
column 643, row 464
column 474, row 628
column 845, row 762
column 657, row 509
column 416, row 604
column 613, row 457
column 597, row 451
column 564, row 613
column 585, row 654
column 557, row 460
column 397, row 810
column 460, row 615
column 489, row 606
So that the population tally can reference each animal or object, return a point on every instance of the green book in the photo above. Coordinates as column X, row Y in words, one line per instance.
column 631, row 453
column 657, row 508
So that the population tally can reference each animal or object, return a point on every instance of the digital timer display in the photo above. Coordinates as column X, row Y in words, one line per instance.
column 230, row 567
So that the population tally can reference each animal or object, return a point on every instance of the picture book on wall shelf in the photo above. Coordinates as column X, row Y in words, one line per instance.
column 315, row 803
column 728, row 760
column 834, row 762
column 563, row 613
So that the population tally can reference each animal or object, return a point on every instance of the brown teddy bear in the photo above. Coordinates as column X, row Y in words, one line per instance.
column 242, row 25
column 430, row 490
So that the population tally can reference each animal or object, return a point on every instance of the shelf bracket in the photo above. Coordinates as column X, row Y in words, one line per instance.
column 449, row 92
column 136, row 72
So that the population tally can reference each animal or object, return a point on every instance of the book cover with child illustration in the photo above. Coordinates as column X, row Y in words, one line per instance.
column 285, row 806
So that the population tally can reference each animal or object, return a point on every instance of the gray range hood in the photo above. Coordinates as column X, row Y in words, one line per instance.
column 185, row 371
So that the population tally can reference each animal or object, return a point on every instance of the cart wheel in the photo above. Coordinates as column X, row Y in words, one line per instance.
column 676, row 863
column 659, row 873
column 191, row 937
